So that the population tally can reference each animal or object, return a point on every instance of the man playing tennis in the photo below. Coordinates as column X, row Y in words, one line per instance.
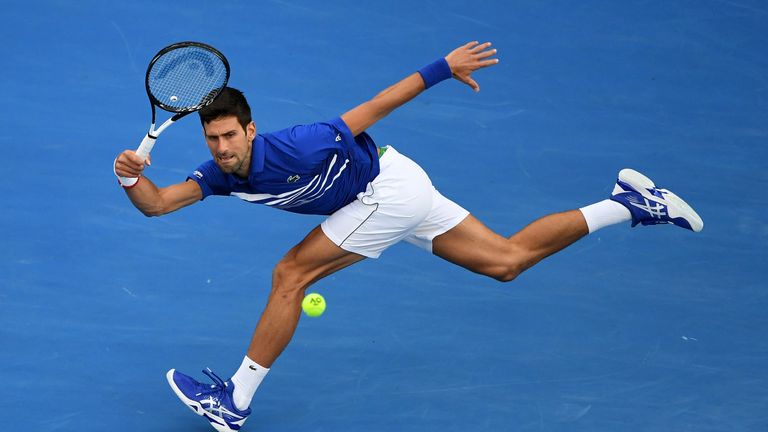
column 375, row 197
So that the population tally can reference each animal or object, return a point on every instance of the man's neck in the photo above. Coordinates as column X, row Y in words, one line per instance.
column 245, row 169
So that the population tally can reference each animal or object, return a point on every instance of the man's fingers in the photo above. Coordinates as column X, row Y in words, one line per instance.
column 469, row 58
column 486, row 54
column 480, row 47
column 129, row 161
column 472, row 83
column 133, row 158
column 486, row 63
column 126, row 170
column 130, row 164
column 467, row 79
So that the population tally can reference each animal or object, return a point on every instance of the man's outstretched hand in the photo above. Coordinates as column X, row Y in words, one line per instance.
column 468, row 58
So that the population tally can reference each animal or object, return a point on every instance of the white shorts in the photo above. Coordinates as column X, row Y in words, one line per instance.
column 399, row 204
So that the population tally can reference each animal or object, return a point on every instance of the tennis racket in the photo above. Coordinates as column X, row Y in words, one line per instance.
column 182, row 78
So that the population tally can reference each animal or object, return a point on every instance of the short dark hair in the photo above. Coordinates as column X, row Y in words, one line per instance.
column 230, row 102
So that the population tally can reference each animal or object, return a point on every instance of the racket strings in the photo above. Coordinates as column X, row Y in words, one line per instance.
column 186, row 78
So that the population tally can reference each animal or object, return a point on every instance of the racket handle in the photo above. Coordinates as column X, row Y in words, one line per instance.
column 143, row 151
column 145, row 147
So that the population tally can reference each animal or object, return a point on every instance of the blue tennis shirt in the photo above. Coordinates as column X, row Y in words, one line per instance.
column 310, row 169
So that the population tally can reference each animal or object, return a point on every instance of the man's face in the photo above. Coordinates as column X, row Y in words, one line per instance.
column 230, row 145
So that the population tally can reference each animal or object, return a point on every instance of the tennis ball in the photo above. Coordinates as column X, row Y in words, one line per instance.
column 313, row 305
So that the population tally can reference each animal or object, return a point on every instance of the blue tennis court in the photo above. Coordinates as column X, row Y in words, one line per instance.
column 644, row 329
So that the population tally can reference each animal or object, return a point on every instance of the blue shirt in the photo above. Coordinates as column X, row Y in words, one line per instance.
column 310, row 169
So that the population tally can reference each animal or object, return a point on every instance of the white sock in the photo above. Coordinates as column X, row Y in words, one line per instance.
column 246, row 380
column 605, row 213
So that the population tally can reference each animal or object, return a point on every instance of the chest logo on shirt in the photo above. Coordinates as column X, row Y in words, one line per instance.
column 338, row 137
column 293, row 179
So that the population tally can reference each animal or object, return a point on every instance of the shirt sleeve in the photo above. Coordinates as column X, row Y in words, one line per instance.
column 363, row 140
column 341, row 127
column 211, row 179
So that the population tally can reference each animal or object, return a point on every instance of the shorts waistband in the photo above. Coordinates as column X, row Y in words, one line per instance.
column 386, row 155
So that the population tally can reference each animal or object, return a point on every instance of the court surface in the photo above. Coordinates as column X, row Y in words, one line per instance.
column 644, row 329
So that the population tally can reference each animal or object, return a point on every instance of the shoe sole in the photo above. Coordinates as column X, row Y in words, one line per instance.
column 681, row 208
column 196, row 407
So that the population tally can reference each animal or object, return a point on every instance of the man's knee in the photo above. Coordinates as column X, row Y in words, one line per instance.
column 288, row 278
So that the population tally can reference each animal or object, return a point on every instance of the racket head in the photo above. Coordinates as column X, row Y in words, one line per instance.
column 186, row 76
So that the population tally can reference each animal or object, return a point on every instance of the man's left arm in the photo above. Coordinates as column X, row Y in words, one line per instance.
column 459, row 64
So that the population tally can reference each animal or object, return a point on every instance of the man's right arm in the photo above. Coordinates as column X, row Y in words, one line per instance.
column 150, row 199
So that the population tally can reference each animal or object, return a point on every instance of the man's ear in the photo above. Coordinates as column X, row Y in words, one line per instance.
column 250, row 131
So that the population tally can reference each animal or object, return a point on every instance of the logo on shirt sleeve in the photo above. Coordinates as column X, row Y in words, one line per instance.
column 198, row 174
column 338, row 137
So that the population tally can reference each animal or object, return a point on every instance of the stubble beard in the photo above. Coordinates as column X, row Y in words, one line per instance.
column 235, row 167
column 231, row 169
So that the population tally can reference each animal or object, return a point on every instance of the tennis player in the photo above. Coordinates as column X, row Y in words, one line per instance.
column 374, row 197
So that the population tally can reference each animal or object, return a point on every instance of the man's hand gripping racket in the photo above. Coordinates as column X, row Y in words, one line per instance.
column 182, row 78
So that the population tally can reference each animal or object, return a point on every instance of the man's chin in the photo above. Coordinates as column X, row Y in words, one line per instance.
column 227, row 169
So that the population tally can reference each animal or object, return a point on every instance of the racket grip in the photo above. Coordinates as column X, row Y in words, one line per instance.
column 145, row 147
column 143, row 151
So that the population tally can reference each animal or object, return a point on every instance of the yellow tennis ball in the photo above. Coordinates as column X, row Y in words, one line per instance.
column 313, row 305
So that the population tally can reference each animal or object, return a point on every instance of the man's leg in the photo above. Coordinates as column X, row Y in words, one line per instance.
column 474, row 246
column 634, row 198
column 226, row 404
column 312, row 259
column 392, row 205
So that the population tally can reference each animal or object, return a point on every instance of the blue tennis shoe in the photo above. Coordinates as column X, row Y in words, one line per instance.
column 650, row 205
column 212, row 401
